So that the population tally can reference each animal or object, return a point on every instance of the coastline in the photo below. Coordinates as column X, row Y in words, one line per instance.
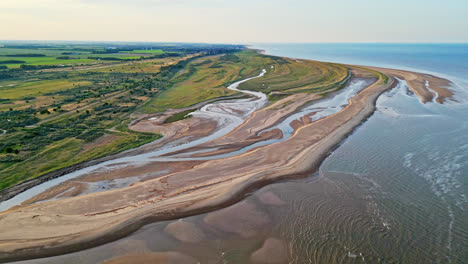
column 214, row 194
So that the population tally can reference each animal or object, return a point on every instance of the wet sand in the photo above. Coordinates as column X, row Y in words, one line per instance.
column 89, row 220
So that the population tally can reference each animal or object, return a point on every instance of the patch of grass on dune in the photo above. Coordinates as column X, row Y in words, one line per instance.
column 207, row 78
column 192, row 85
column 293, row 76
column 179, row 116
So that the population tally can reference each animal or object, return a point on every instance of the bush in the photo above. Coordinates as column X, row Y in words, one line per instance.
column 25, row 55
column 4, row 75
column 90, row 135
column 11, row 62
column 37, row 67
column 64, row 58
column 230, row 57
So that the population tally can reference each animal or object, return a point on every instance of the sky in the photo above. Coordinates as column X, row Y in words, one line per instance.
column 239, row 21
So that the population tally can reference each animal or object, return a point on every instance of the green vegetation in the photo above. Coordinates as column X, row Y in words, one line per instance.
column 26, row 55
column 13, row 90
column 180, row 116
column 193, row 82
column 291, row 76
column 11, row 61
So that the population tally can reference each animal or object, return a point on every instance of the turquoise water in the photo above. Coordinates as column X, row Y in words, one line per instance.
column 395, row 191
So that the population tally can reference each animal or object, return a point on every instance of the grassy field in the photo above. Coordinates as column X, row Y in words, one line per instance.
column 197, row 82
column 21, row 90
column 293, row 76
column 45, row 61
column 54, row 118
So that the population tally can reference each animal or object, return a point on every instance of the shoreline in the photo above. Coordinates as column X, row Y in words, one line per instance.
column 218, row 193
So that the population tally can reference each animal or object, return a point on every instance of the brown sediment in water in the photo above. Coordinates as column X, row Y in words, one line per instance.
column 93, row 219
column 185, row 232
column 242, row 218
column 271, row 199
column 273, row 251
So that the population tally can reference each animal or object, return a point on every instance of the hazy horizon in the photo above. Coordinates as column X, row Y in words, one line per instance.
column 243, row 22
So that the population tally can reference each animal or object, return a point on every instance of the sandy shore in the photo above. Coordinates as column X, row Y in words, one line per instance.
column 67, row 225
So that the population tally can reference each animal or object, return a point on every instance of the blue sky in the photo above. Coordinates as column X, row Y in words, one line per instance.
column 241, row 21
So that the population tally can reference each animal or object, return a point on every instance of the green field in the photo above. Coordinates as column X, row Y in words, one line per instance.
column 68, row 56
column 36, row 88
